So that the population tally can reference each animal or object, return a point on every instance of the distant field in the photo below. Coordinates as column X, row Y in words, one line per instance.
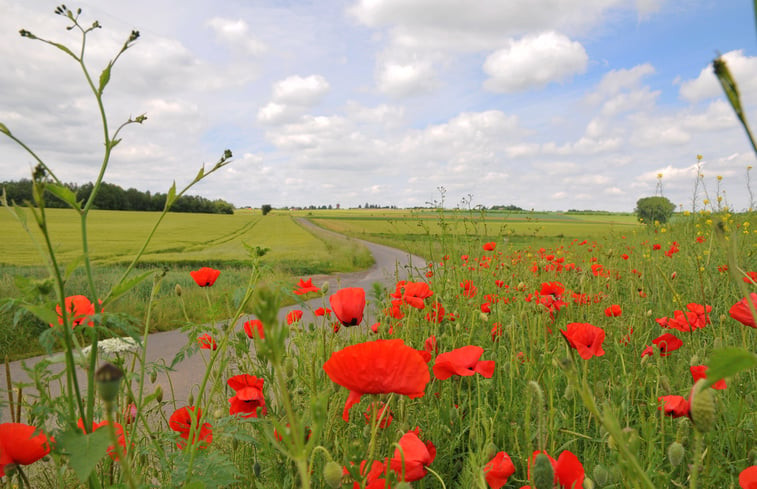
column 422, row 231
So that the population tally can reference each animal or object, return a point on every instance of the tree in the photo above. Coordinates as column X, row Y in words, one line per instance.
column 265, row 208
column 651, row 209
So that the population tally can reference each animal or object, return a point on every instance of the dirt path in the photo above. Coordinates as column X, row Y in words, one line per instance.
column 391, row 264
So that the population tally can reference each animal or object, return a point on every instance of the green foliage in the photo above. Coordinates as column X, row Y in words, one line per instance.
column 651, row 209
column 265, row 208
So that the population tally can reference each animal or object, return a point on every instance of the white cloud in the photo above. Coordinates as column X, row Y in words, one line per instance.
column 298, row 90
column 615, row 81
column 705, row 86
column 534, row 61
column 400, row 80
column 236, row 33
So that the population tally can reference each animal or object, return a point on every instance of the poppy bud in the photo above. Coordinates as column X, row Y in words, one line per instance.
column 588, row 483
column 544, row 473
column 158, row 393
column 601, row 475
column 153, row 376
column 490, row 451
column 682, row 434
column 403, row 485
column 191, row 399
column 177, row 290
column 694, row 360
column 256, row 469
column 568, row 393
column 676, row 453
column 289, row 367
column 702, row 406
column 332, row 474
column 665, row 384
column 325, row 288
column 632, row 437
column 108, row 378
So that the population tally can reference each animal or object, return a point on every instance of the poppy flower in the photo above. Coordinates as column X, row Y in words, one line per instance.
column 254, row 329
column 437, row 313
column 207, row 342
column 304, row 287
column 613, row 311
column 348, row 305
column 700, row 372
column 186, row 418
column 696, row 317
column 294, row 316
column 78, row 309
column 496, row 331
column 674, row 406
column 748, row 478
column 378, row 411
column 498, row 469
column 376, row 367
column 413, row 294
column 410, row 460
column 119, row 435
column 205, row 276
column 667, row 343
column 19, row 445
column 249, row 396
column 742, row 312
column 490, row 246
column 568, row 470
column 469, row 290
column 585, row 338
column 750, row 278
column 464, row 362
column 322, row 311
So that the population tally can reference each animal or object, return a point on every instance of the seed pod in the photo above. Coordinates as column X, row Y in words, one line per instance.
column 108, row 379
column 601, row 475
column 676, row 453
column 702, row 407
column 544, row 473
column 332, row 474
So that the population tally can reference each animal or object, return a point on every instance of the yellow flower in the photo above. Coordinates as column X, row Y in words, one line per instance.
column 720, row 177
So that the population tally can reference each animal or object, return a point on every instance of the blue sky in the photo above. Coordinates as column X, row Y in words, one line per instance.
column 545, row 104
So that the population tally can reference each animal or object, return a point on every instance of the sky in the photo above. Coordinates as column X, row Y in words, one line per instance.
column 543, row 104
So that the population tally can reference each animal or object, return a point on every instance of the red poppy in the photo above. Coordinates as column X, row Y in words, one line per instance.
column 742, row 311
column 498, row 469
column 376, row 367
column 78, row 309
column 748, row 478
column 205, row 276
column 469, row 290
column 303, row 287
column 413, row 293
column 410, row 460
column 585, row 338
column 184, row 420
column 254, row 329
column 430, row 345
column 750, row 278
column 437, row 313
column 700, row 372
column 496, row 331
column 348, row 305
column 249, row 396
column 667, row 343
column 490, row 246
column 119, row 435
column 322, row 311
column 294, row 316
column 378, row 411
column 464, row 362
column 613, row 311
column 568, row 470
column 674, row 406
column 696, row 317
column 19, row 445
column 207, row 342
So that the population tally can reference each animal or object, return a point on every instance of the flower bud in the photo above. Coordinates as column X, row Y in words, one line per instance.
column 601, row 475
column 332, row 474
column 676, row 453
column 108, row 379
column 543, row 473
column 702, row 407
column 490, row 450
column 158, row 393
column 256, row 469
column 177, row 290
column 153, row 376
column 588, row 483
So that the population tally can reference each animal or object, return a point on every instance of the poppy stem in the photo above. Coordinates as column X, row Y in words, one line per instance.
column 22, row 478
column 441, row 481
column 10, row 389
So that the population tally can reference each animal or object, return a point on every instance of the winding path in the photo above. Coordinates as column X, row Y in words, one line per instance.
column 391, row 264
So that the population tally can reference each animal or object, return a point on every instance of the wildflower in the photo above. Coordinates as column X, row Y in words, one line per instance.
column 249, row 396
column 322, row 311
column 207, row 342
column 294, row 316
column 469, row 290
column 750, row 278
column 205, row 277
column 585, row 338
column 413, row 293
column 498, row 469
column 742, row 312
column 666, row 343
column 696, row 317
column 567, row 469
column 437, row 313
column 348, row 305
column 613, row 311
column 410, row 460
column 700, row 372
column 79, row 309
column 674, row 406
column 305, row 286
column 464, row 362
column 187, row 419
column 254, row 329
column 378, row 411
column 119, row 435
column 496, row 331
column 19, row 445
column 376, row 367
column 748, row 478
column 490, row 246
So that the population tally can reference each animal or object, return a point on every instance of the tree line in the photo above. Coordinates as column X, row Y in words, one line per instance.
column 113, row 197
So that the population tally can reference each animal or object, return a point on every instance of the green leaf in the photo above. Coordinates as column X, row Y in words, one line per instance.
column 64, row 49
column 200, row 174
column 47, row 315
column 4, row 129
column 105, row 77
column 63, row 193
column 125, row 286
column 727, row 362
column 84, row 451
column 171, row 197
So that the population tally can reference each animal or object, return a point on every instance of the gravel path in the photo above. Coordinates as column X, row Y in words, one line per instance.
column 390, row 265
